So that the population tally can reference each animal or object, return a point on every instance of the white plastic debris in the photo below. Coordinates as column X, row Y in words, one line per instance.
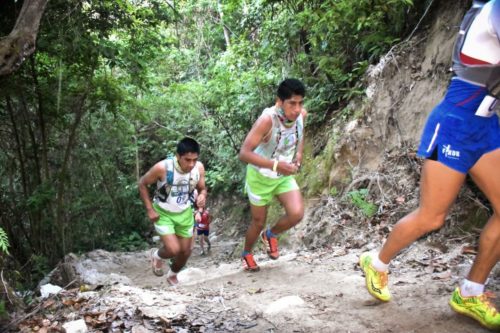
column 77, row 326
column 49, row 289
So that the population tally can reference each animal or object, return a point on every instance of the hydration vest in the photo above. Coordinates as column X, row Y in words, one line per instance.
column 487, row 75
column 162, row 192
column 283, row 142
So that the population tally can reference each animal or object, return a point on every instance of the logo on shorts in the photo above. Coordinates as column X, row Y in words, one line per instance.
column 450, row 153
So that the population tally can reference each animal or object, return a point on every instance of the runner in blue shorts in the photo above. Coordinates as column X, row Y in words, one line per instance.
column 454, row 135
column 461, row 136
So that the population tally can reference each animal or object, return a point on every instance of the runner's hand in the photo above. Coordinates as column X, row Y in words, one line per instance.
column 200, row 200
column 287, row 169
column 297, row 162
column 153, row 215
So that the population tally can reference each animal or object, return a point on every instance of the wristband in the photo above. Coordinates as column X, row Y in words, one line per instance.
column 275, row 165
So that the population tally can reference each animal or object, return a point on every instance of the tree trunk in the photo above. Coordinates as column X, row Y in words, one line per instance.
column 20, row 43
column 64, row 175
column 137, row 161
column 18, row 146
column 41, row 121
column 224, row 28
column 35, row 179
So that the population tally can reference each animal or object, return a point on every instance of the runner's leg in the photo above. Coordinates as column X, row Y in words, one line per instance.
column 170, row 248
column 486, row 175
column 294, row 211
column 259, row 214
column 439, row 186
column 183, row 255
column 208, row 242
column 200, row 238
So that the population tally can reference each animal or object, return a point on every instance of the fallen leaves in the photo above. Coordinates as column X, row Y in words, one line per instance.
column 66, row 307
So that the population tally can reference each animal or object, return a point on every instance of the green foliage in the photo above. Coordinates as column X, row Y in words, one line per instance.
column 3, row 310
column 40, row 267
column 41, row 196
column 359, row 199
column 131, row 242
column 334, row 191
column 4, row 241
column 315, row 172
column 115, row 84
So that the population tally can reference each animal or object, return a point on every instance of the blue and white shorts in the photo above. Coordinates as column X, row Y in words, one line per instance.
column 455, row 134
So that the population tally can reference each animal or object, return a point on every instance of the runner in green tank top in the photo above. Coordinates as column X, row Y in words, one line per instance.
column 273, row 150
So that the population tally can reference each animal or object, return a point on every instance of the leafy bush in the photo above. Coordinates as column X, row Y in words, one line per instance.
column 4, row 242
column 358, row 199
column 121, row 82
column 131, row 242
column 3, row 310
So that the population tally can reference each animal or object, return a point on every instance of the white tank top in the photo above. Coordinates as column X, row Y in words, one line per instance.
column 481, row 41
column 178, row 198
column 282, row 144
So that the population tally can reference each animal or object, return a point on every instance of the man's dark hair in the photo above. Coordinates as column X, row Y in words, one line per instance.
column 290, row 87
column 188, row 145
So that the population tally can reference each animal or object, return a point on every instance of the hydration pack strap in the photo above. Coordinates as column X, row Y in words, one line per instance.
column 493, row 83
column 279, row 134
column 169, row 177
column 163, row 192
column 278, row 139
column 484, row 75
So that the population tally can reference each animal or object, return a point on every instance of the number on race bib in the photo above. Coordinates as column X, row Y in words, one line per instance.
column 181, row 199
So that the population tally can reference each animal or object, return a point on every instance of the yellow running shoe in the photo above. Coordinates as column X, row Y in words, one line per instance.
column 477, row 307
column 376, row 282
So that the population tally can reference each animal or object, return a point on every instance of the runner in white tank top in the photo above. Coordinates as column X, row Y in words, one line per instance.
column 171, row 212
column 273, row 150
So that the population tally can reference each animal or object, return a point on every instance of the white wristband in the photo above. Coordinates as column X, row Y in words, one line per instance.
column 275, row 165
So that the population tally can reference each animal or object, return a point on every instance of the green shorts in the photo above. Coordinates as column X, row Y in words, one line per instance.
column 180, row 224
column 262, row 189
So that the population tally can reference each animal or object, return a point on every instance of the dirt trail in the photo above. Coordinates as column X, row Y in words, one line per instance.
column 321, row 291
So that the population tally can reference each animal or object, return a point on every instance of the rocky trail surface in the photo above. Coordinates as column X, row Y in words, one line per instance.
column 302, row 291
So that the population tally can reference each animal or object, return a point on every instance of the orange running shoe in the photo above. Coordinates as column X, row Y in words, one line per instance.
column 271, row 246
column 249, row 263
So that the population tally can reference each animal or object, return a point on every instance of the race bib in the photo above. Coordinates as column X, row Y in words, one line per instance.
column 488, row 107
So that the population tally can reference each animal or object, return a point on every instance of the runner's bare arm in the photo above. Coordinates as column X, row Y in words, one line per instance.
column 202, row 190
column 154, row 174
column 300, row 148
column 256, row 135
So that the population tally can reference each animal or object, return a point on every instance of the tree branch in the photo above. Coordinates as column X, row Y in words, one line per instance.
column 20, row 43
